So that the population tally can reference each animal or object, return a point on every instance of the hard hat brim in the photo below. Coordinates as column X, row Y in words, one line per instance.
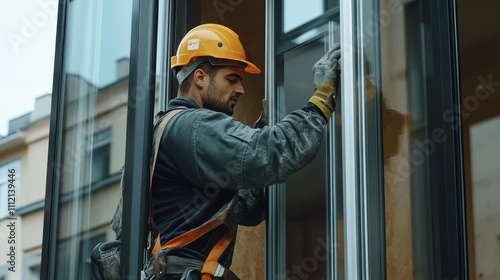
column 251, row 68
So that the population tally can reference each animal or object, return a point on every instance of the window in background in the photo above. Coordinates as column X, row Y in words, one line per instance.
column 99, row 155
column 296, row 14
column 32, row 267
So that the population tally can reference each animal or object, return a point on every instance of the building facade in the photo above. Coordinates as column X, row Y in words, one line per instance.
column 404, row 186
column 23, row 157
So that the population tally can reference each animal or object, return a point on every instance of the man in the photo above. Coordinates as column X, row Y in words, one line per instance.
column 211, row 170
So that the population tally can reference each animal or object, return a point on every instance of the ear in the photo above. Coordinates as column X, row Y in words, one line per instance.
column 200, row 77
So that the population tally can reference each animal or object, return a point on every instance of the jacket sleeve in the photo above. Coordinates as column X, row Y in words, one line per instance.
column 228, row 154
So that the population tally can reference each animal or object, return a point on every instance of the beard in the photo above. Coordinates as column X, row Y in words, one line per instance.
column 212, row 100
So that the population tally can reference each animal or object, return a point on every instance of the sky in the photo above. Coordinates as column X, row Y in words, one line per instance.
column 27, row 48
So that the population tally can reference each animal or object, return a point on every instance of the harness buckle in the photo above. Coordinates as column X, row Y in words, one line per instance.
column 219, row 271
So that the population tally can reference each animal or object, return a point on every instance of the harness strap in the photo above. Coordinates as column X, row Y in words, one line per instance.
column 161, row 127
column 159, row 134
column 211, row 267
column 192, row 235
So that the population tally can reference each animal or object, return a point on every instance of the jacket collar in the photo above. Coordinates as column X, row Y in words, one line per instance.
column 183, row 102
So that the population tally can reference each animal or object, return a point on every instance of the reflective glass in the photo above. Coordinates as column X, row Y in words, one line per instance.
column 405, row 168
column 95, row 73
column 416, row 145
column 309, row 193
column 313, row 243
column 306, row 189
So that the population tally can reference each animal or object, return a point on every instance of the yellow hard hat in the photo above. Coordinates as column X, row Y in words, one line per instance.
column 212, row 40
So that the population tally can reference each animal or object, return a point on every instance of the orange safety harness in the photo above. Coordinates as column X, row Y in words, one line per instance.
column 211, row 267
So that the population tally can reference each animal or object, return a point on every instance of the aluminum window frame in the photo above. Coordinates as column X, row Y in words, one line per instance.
column 138, row 139
column 51, row 211
column 139, row 135
column 361, row 241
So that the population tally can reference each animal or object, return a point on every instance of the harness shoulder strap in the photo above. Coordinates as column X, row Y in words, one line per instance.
column 159, row 134
column 161, row 128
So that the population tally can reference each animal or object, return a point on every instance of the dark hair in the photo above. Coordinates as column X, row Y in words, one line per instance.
column 206, row 67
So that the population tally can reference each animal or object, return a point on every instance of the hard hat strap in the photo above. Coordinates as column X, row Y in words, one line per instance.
column 187, row 70
column 218, row 62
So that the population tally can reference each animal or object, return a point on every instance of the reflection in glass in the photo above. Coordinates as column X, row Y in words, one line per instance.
column 406, row 136
column 397, row 130
column 305, row 190
column 97, row 46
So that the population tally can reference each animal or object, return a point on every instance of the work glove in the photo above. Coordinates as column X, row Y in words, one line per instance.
column 326, row 73
column 262, row 120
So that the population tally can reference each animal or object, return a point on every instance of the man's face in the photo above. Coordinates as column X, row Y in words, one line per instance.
column 224, row 90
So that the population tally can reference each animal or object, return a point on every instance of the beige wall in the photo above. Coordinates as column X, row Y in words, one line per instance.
column 32, row 152
column 32, row 232
column 88, row 213
column 485, row 140
column 35, row 163
column 12, row 154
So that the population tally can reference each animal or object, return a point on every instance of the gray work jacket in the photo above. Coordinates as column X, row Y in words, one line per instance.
column 206, row 157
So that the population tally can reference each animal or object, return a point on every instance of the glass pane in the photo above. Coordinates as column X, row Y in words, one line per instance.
column 96, row 67
column 404, row 125
column 306, row 190
column 297, row 12
column 313, row 196
column 479, row 41
column 421, row 208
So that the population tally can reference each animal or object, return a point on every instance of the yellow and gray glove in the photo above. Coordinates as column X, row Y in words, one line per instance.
column 262, row 120
column 325, row 72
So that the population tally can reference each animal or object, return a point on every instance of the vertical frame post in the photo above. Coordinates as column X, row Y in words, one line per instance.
column 51, row 209
column 138, row 142
column 349, row 102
